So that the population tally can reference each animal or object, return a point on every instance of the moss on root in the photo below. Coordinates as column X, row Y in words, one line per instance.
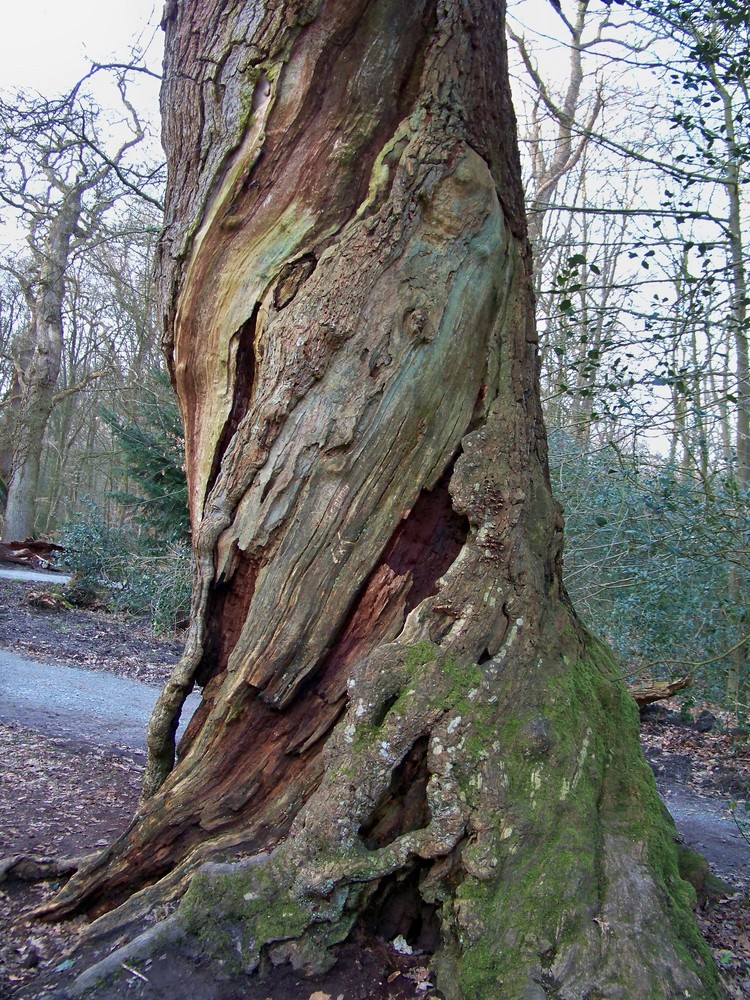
column 232, row 916
column 560, row 786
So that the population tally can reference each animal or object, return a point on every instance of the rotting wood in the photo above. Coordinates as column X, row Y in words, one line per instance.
column 33, row 553
column 647, row 692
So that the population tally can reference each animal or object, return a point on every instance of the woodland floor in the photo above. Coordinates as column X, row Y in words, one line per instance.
column 64, row 798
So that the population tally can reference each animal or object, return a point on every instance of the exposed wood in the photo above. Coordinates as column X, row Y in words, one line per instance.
column 647, row 692
column 31, row 552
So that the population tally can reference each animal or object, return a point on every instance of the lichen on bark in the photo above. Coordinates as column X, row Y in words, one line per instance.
column 404, row 726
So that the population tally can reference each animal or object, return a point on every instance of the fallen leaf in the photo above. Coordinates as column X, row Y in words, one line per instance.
column 418, row 975
column 401, row 945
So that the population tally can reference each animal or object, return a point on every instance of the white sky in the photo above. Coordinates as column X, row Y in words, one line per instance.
column 46, row 45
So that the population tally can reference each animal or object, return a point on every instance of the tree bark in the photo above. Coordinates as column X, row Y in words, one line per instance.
column 404, row 726
column 738, row 679
column 39, row 370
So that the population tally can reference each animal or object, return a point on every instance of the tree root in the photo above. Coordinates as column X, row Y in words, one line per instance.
column 32, row 868
column 166, row 934
column 585, row 905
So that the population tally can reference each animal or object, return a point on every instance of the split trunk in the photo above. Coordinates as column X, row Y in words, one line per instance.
column 404, row 726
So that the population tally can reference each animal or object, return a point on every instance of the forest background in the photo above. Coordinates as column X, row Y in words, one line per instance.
column 633, row 119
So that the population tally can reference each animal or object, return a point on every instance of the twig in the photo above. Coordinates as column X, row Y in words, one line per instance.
column 741, row 825
column 134, row 972
column 700, row 663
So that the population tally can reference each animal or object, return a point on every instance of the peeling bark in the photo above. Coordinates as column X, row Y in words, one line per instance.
column 404, row 726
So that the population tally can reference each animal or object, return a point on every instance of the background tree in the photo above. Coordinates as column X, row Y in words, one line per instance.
column 62, row 178
column 715, row 86
column 13, row 317
column 640, row 284
column 394, row 681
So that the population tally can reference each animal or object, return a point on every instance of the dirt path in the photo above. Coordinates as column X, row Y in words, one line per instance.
column 705, row 824
column 92, row 640
column 699, row 776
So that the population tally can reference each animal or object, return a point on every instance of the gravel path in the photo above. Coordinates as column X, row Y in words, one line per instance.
column 21, row 575
column 68, row 702
column 705, row 824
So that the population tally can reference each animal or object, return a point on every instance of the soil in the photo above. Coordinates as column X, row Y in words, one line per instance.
column 62, row 798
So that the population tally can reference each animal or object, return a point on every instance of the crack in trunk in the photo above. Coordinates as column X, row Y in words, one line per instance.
column 276, row 764
column 243, row 370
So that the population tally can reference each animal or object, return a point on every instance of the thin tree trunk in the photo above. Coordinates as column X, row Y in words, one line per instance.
column 737, row 675
column 396, row 686
column 572, row 135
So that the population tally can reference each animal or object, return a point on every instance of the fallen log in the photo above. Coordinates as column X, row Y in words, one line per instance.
column 647, row 692
column 45, row 600
column 32, row 552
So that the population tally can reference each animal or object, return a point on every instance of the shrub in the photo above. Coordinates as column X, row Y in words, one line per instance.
column 114, row 564
column 153, row 449
column 648, row 552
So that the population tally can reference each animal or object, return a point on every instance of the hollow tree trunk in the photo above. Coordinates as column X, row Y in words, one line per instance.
column 396, row 689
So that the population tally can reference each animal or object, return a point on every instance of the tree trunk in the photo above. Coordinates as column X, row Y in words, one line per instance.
column 39, row 371
column 738, row 681
column 397, row 692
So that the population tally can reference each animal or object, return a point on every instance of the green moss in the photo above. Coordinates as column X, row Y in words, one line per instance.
column 234, row 915
column 481, row 975
column 510, row 730
column 247, row 98
column 631, row 795
column 364, row 736
column 419, row 654
column 476, row 744
column 463, row 678
column 551, row 878
column 692, row 866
